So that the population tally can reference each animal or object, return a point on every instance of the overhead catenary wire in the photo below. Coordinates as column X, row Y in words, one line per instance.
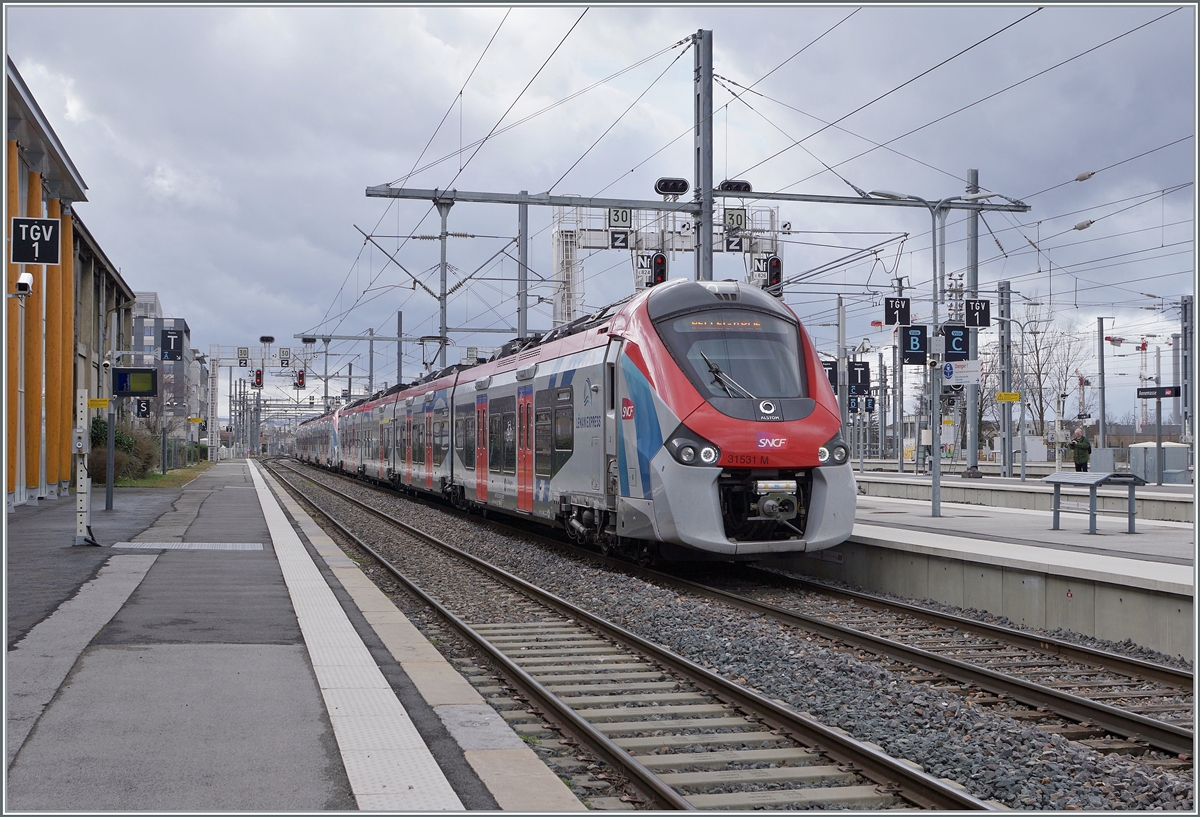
column 846, row 131
column 767, row 119
column 431, row 138
column 458, row 99
column 549, row 108
column 985, row 98
column 814, row 41
column 989, row 228
column 494, row 127
column 886, row 94
column 607, row 130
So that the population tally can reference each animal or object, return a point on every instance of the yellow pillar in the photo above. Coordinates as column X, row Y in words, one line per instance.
column 54, row 352
column 67, row 374
column 12, row 346
column 33, row 352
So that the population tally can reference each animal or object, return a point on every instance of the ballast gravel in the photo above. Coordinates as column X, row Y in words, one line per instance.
column 994, row 757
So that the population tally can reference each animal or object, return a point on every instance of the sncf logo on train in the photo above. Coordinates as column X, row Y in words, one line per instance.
column 767, row 442
column 626, row 408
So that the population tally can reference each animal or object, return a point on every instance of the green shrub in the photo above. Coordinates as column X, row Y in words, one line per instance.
column 144, row 457
column 121, row 438
column 98, row 464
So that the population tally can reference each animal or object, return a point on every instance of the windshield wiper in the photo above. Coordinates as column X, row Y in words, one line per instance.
column 724, row 381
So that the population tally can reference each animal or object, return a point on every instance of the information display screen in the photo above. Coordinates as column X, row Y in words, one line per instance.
column 135, row 382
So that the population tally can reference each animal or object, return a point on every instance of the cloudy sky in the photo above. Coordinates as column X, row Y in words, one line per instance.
column 227, row 151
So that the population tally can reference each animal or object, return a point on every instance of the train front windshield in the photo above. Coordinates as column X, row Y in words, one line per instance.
column 737, row 353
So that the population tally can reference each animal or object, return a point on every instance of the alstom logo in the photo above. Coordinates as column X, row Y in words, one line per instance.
column 765, row 441
column 626, row 408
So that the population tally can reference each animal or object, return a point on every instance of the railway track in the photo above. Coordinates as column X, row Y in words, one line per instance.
column 1100, row 694
column 1103, row 700
column 681, row 735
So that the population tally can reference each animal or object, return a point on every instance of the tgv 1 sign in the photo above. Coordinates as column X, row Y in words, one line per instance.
column 35, row 241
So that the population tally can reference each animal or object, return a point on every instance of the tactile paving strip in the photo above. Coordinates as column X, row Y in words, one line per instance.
column 386, row 760
column 191, row 545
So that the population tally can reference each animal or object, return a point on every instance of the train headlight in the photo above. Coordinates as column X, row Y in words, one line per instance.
column 689, row 448
column 834, row 452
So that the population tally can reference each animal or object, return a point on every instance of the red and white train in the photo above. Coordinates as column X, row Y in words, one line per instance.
column 692, row 421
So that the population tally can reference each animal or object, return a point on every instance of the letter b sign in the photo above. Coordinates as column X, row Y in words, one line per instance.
column 914, row 345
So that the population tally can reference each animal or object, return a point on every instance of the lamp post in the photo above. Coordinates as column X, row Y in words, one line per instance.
column 1022, row 420
column 937, row 211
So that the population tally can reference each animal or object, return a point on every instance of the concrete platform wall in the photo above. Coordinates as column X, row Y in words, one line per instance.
column 1035, row 498
column 1161, row 621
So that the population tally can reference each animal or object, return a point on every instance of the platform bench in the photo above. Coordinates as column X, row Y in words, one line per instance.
column 1092, row 482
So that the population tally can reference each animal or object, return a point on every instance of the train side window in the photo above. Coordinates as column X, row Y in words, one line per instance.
column 418, row 451
column 542, row 434
column 468, row 451
column 564, row 428
column 510, row 442
column 495, row 443
column 441, row 439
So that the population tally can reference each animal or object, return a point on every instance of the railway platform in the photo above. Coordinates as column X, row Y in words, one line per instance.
column 219, row 652
column 1009, row 562
column 1171, row 503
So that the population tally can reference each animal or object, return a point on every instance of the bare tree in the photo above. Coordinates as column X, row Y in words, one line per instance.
column 989, row 384
column 1055, row 352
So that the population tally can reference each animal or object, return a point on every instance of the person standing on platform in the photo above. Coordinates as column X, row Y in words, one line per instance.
column 1082, row 449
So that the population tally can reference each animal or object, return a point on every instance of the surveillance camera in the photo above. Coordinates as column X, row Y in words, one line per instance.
column 25, row 284
column 106, row 364
column 934, row 363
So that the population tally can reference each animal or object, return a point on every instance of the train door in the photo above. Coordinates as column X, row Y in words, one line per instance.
column 385, row 436
column 408, row 437
column 525, row 448
column 395, row 440
column 612, row 421
column 428, row 417
column 481, row 448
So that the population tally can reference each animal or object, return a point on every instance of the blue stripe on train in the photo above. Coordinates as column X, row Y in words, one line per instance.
column 648, row 436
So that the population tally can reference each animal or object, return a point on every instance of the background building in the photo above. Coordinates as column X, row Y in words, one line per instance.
column 183, row 383
column 79, row 314
column 55, row 338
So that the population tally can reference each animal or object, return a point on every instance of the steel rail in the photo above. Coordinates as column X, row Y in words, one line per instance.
column 1159, row 734
column 1125, row 665
column 661, row 795
column 916, row 786
column 1132, row 726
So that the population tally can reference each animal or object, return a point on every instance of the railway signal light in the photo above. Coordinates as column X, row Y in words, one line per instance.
column 258, row 378
column 671, row 187
column 658, row 268
column 774, row 280
column 735, row 186
column 299, row 378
